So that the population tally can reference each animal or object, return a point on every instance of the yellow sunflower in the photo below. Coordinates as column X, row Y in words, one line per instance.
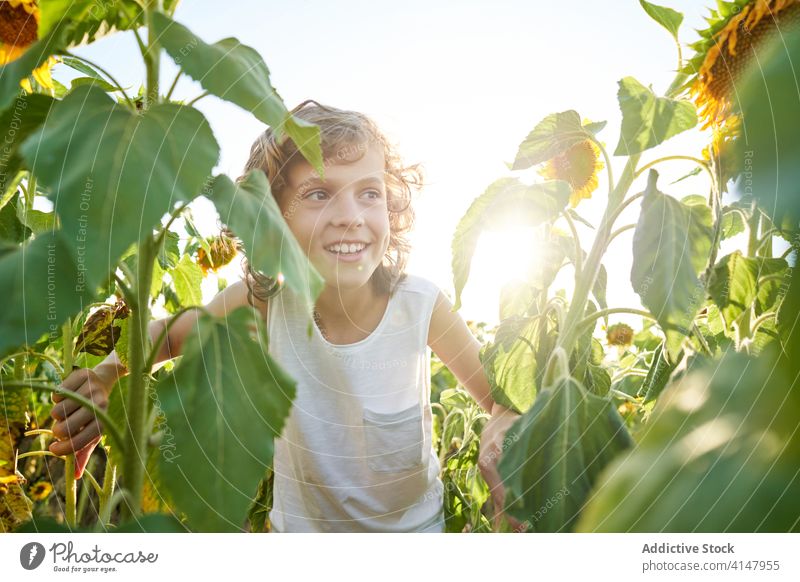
column 19, row 21
column 578, row 166
column 40, row 491
column 728, row 47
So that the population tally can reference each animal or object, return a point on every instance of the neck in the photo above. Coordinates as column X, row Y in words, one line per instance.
column 337, row 306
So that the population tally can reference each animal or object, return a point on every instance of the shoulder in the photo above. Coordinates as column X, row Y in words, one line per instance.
column 419, row 285
column 430, row 299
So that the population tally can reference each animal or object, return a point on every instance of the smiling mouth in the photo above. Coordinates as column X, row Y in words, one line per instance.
column 347, row 253
column 345, row 250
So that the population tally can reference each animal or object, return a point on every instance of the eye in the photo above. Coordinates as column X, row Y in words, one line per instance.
column 311, row 195
column 373, row 194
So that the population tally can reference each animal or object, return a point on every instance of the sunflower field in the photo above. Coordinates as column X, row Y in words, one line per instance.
column 688, row 423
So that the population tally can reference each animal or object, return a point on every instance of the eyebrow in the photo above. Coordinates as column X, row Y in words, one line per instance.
column 315, row 181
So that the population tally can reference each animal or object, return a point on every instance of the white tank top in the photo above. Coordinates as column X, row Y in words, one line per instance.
column 356, row 454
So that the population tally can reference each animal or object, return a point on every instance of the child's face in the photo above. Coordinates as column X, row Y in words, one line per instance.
column 350, row 207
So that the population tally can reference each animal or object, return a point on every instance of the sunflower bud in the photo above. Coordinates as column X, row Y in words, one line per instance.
column 620, row 334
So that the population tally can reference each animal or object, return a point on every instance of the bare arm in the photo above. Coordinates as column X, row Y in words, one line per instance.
column 230, row 298
column 451, row 340
column 78, row 425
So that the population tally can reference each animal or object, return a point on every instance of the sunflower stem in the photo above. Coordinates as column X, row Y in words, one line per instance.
column 152, row 56
column 109, row 481
column 196, row 99
column 168, row 96
column 702, row 163
column 576, row 313
column 70, row 490
column 578, row 249
column 619, row 231
column 716, row 211
column 609, row 170
column 108, row 423
column 138, row 384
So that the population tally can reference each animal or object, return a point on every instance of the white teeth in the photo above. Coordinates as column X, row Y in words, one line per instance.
column 347, row 248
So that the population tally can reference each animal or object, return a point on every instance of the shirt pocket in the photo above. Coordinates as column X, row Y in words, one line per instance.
column 394, row 440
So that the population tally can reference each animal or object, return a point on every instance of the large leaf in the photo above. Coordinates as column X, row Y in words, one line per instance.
column 250, row 210
column 672, row 242
column 505, row 202
column 648, row 120
column 224, row 405
column 553, row 135
column 41, row 286
column 720, row 453
column 510, row 363
column 113, row 173
column 558, row 449
column 657, row 375
column 89, row 20
column 734, row 287
column 769, row 146
column 237, row 73
column 23, row 117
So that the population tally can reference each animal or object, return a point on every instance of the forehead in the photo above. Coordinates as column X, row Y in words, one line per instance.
column 343, row 165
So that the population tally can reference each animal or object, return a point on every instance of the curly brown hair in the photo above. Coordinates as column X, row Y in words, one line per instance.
column 341, row 131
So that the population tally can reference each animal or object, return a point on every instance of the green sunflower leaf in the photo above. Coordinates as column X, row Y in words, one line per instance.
column 225, row 404
column 672, row 242
column 558, row 449
column 719, row 453
column 666, row 17
column 113, row 173
column 648, row 120
column 553, row 135
column 237, row 73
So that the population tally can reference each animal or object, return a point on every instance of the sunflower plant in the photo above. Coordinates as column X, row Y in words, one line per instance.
column 80, row 279
column 602, row 442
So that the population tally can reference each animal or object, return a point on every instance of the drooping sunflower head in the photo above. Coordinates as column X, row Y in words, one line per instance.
column 727, row 48
column 222, row 248
column 19, row 22
column 620, row 334
column 579, row 166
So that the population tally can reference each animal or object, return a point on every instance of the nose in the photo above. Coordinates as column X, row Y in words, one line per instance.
column 346, row 212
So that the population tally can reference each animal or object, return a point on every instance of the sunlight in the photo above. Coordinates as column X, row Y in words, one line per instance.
column 500, row 258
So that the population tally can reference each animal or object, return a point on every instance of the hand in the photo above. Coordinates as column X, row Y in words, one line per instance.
column 491, row 449
column 78, row 427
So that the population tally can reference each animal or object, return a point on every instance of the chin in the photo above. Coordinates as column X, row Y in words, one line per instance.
column 352, row 280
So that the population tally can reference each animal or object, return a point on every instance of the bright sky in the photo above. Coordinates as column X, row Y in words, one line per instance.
column 458, row 85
